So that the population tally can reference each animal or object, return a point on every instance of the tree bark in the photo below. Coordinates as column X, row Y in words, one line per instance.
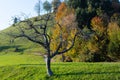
column 48, row 66
column 63, row 58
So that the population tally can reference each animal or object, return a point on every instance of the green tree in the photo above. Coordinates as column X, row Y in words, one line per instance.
column 37, row 7
column 114, row 37
column 47, row 6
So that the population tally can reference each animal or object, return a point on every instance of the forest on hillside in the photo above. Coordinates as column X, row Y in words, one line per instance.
column 99, row 24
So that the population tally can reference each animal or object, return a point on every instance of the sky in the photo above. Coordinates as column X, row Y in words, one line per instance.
column 11, row 8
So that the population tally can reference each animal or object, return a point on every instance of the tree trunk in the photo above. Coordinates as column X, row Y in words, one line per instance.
column 63, row 58
column 48, row 63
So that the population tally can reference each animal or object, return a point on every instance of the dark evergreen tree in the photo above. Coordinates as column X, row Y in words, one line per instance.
column 47, row 6
column 87, row 9
column 37, row 7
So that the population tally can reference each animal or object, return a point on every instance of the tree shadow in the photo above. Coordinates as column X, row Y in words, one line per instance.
column 2, row 48
column 17, row 48
column 54, row 64
column 31, row 64
column 86, row 73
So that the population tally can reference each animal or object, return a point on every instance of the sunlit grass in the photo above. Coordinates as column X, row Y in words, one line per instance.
column 31, row 67
column 19, row 59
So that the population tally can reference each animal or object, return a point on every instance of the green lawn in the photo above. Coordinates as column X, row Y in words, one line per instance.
column 31, row 67
column 19, row 59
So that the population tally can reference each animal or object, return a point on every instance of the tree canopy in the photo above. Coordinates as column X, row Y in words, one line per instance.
column 47, row 6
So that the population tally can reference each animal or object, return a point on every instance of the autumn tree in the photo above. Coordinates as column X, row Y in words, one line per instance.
column 66, row 18
column 114, row 37
column 114, row 45
column 100, row 26
column 36, row 31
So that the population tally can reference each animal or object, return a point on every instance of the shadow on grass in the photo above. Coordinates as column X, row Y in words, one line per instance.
column 86, row 73
column 2, row 48
column 19, row 49
column 32, row 64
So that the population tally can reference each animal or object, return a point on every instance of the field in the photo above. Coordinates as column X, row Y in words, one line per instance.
column 31, row 67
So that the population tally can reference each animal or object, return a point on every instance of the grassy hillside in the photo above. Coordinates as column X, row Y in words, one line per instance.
column 23, row 45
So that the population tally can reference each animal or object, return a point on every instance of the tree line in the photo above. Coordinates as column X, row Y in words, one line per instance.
column 100, row 20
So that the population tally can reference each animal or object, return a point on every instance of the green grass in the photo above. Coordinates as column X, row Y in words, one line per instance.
column 31, row 67
column 19, row 59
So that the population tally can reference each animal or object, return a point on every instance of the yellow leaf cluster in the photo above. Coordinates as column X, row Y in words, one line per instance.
column 114, row 31
column 97, row 24
column 92, row 48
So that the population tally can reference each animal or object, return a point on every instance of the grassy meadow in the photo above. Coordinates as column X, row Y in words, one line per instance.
column 19, row 59
column 32, row 67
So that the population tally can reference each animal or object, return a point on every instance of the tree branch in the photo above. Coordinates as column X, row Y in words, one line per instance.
column 65, row 50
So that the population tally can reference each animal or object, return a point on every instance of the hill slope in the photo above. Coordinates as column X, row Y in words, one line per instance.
column 21, row 44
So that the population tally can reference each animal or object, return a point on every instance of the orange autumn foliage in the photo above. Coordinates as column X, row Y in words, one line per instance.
column 67, row 28
column 63, row 11
column 97, row 24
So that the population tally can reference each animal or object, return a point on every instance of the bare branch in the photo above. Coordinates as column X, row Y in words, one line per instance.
column 59, row 46
column 66, row 50
column 61, row 40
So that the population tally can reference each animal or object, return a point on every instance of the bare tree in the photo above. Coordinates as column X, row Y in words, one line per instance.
column 36, row 31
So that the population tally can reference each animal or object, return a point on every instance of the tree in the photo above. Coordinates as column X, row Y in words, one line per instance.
column 38, row 7
column 36, row 31
column 65, row 1
column 15, row 19
column 66, row 18
column 101, row 39
column 114, row 37
column 47, row 6
column 55, row 5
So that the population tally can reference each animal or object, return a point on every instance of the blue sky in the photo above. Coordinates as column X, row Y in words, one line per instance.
column 11, row 8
